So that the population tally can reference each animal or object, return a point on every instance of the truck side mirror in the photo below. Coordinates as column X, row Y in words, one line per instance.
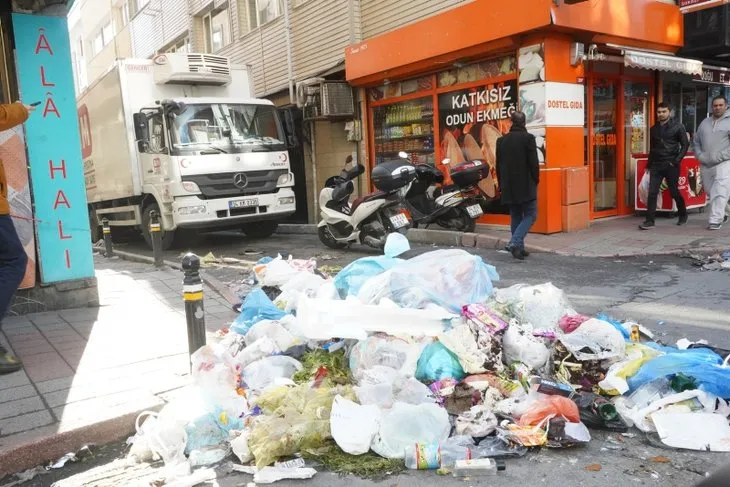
column 141, row 130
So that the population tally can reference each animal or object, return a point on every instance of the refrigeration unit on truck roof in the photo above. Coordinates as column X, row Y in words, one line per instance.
column 187, row 68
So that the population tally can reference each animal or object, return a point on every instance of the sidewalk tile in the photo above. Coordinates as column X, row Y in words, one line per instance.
column 15, row 393
column 25, row 422
column 20, row 406
column 15, row 379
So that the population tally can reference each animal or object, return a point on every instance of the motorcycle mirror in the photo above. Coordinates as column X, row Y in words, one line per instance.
column 402, row 155
column 446, row 162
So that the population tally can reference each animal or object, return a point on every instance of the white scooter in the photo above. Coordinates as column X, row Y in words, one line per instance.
column 370, row 218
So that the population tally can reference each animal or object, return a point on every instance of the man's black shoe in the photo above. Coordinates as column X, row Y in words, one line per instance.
column 518, row 253
column 647, row 226
column 682, row 220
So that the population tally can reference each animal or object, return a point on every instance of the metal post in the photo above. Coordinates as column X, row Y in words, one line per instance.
column 156, row 235
column 107, row 232
column 194, row 309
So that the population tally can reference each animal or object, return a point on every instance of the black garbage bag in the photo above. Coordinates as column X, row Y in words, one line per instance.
column 597, row 412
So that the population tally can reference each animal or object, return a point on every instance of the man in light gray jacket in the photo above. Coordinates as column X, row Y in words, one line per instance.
column 712, row 148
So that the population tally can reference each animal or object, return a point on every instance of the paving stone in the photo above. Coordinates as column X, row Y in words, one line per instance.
column 25, row 422
column 21, row 406
column 15, row 393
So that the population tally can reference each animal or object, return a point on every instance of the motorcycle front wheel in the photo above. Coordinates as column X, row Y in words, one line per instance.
column 326, row 237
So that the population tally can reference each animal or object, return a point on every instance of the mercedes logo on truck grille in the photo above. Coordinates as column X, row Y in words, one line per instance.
column 240, row 180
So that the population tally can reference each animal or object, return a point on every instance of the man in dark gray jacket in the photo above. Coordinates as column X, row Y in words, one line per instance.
column 518, row 173
column 712, row 148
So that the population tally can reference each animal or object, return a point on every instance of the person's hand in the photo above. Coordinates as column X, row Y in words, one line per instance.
column 30, row 108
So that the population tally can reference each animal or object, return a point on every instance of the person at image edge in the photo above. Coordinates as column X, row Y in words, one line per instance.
column 13, row 259
column 712, row 148
column 668, row 146
column 518, row 173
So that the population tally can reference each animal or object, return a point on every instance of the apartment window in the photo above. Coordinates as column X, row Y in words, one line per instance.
column 182, row 46
column 263, row 11
column 125, row 13
column 104, row 37
column 216, row 29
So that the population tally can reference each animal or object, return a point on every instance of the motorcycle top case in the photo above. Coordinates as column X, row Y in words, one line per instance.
column 392, row 175
column 469, row 173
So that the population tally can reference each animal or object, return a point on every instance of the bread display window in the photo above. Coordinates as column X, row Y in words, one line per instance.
column 458, row 113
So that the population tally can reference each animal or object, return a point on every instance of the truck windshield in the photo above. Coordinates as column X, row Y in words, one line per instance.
column 226, row 128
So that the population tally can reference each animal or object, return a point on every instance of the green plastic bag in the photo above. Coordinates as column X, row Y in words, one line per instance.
column 437, row 363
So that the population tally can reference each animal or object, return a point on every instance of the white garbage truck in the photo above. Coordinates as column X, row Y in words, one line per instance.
column 182, row 135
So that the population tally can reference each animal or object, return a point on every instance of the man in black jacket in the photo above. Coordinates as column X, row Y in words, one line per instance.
column 518, row 172
column 669, row 144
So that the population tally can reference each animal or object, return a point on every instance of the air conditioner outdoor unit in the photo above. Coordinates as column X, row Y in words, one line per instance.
column 324, row 100
column 189, row 68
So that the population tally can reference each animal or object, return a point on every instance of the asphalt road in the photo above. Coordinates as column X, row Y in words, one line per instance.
column 665, row 294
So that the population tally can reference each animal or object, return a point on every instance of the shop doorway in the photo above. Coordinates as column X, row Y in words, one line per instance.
column 620, row 111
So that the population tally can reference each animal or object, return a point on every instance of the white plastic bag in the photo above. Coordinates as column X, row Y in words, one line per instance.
column 412, row 391
column 261, row 348
column 274, row 330
column 461, row 342
column 354, row 426
column 301, row 284
column 386, row 351
column 542, row 306
column 601, row 338
column 276, row 273
column 644, row 187
column 477, row 422
column 406, row 425
column 263, row 373
column 240, row 448
column 519, row 345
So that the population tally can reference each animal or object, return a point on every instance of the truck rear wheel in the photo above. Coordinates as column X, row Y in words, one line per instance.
column 260, row 229
column 168, row 236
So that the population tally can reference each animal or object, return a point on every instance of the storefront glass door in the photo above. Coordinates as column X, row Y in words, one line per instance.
column 604, row 142
column 637, row 114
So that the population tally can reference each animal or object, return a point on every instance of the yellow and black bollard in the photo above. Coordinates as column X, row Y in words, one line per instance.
column 193, row 296
column 107, row 232
column 156, row 235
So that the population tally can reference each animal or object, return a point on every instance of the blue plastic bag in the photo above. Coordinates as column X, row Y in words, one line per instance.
column 448, row 278
column 350, row 279
column 438, row 362
column 256, row 307
column 701, row 363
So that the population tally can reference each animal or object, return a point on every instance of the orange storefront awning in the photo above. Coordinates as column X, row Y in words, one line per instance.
column 483, row 26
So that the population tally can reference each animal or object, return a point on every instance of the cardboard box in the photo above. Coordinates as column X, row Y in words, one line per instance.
column 576, row 217
column 576, row 185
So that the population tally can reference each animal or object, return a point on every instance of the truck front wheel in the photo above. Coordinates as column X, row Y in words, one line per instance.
column 168, row 236
column 260, row 229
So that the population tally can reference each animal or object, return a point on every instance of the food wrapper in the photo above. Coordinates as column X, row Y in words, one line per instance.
column 484, row 318
column 524, row 435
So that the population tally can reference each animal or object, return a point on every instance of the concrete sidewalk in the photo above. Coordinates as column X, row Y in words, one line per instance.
column 89, row 372
column 614, row 237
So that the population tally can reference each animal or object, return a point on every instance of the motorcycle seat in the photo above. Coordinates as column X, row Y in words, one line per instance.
column 366, row 198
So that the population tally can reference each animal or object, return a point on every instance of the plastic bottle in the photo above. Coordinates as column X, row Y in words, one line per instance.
column 431, row 456
column 479, row 467
column 651, row 392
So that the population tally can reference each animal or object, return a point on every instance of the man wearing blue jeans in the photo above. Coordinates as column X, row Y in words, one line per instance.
column 518, row 172
column 13, row 259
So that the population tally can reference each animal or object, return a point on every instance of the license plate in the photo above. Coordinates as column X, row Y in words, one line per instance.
column 474, row 210
column 243, row 203
column 399, row 221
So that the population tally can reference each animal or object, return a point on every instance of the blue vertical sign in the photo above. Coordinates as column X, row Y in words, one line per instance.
column 43, row 59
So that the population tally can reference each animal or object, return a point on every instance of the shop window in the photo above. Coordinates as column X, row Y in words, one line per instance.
column 474, row 72
column 604, row 138
column 636, row 135
column 689, row 109
column 403, row 88
column 407, row 127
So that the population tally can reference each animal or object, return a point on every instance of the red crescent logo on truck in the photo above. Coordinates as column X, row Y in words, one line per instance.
column 85, row 131
column 160, row 60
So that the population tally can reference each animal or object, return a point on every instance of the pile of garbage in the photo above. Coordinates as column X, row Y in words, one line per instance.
column 715, row 262
column 422, row 363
